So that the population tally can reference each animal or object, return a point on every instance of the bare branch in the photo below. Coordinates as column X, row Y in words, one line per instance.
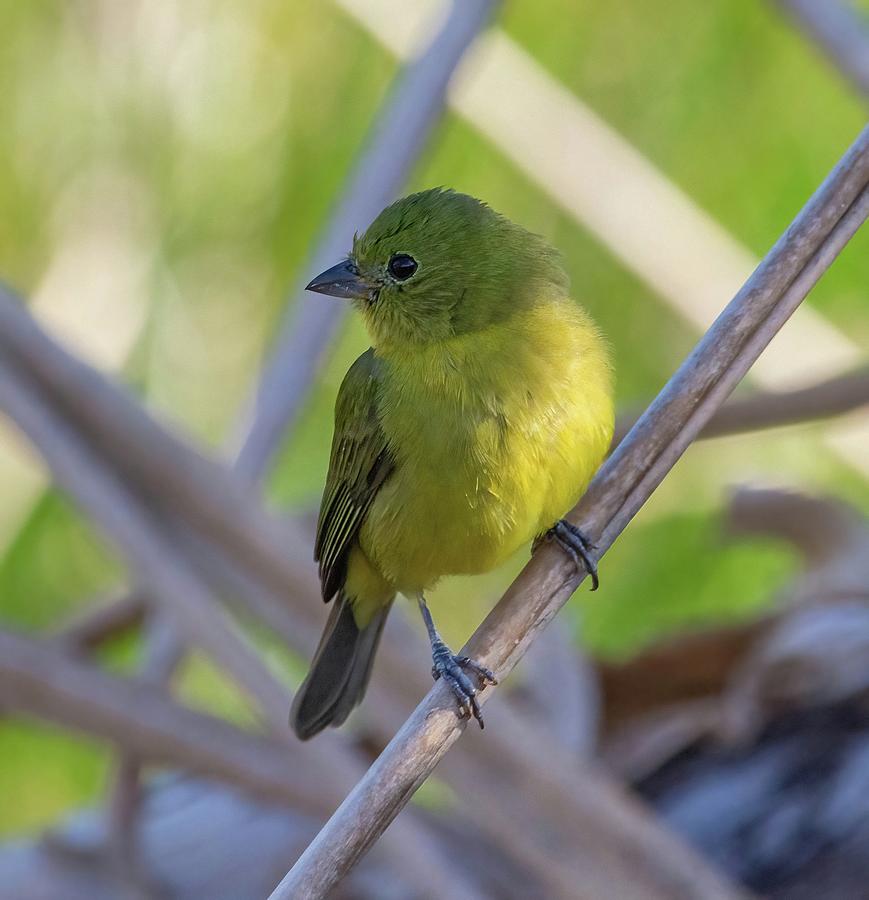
column 164, row 651
column 823, row 529
column 168, row 471
column 115, row 508
column 394, row 147
column 102, row 620
column 621, row 487
column 37, row 679
column 840, row 30
column 772, row 409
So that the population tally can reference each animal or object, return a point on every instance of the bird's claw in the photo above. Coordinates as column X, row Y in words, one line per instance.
column 577, row 546
column 453, row 671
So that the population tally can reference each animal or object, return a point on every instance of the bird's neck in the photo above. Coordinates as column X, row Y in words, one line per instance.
column 483, row 367
column 460, row 367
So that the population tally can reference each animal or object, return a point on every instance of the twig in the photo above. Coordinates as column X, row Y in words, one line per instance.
column 823, row 529
column 840, row 30
column 164, row 650
column 625, row 481
column 169, row 472
column 113, row 506
column 772, row 409
column 102, row 620
column 37, row 679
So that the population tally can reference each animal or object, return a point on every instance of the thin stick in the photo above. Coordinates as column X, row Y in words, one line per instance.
column 625, row 481
column 164, row 651
column 38, row 679
column 767, row 409
column 840, row 30
column 104, row 619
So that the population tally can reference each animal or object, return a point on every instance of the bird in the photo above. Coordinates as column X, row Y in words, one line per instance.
column 473, row 422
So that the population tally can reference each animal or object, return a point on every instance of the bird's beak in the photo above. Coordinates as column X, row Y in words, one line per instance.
column 342, row 280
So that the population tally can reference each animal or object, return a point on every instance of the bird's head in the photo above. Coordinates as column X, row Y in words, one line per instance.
column 439, row 264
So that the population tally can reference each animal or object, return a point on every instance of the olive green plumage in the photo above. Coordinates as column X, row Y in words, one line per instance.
column 474, row 421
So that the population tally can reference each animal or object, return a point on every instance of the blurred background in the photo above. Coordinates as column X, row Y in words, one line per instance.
column 166, row 172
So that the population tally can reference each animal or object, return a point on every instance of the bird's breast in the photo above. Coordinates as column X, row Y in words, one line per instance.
column 492, row 443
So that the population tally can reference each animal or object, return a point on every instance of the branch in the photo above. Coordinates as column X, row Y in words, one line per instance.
column 168, row 472
column 838, row 29
column 396, row 141
column 164, row 651
column 772, row 409
column 37, row 679
column 102, row 620
column 623, row 484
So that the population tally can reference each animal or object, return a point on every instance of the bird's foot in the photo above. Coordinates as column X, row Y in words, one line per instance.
column 453, row 670
column 576, row 545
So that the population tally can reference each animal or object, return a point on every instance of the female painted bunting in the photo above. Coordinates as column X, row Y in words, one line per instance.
column 476, row 418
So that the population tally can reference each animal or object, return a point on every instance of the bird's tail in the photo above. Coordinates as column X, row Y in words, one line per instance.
column 339, row 672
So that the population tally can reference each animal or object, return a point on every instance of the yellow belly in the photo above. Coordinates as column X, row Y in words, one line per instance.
column 494, row 439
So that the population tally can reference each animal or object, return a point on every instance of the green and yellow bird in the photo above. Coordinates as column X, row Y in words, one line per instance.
column 473, row 422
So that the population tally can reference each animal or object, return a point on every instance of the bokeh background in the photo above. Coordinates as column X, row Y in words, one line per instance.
column 166, row 168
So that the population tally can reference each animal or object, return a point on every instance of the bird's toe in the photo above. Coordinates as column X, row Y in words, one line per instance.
column 453, row 670
column 576, row 544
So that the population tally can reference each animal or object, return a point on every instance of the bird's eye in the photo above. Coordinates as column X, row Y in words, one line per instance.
column 402, row 266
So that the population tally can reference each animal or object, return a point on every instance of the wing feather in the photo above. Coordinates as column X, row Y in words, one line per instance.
column 360, row 463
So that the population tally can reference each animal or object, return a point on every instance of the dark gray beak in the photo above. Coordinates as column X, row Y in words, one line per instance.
column 342, row 280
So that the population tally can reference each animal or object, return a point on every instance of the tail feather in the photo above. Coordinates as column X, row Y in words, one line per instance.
column 339, row 672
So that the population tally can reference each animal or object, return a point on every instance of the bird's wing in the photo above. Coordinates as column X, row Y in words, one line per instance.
column 359, row 465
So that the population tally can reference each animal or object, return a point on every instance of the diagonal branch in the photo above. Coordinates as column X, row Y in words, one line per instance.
column 623, row 484
column 103, row 619
column 840, row 30
column 170, row 472
column 37, row 679
column 164, row 651
column 772, row 409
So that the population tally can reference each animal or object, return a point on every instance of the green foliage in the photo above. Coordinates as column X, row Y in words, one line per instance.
column 54, row 564
column 675, row 573
column 725, row 97
column 45, row 773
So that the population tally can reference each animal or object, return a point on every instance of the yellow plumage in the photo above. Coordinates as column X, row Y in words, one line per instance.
column 472, row 424
column 496, row 436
